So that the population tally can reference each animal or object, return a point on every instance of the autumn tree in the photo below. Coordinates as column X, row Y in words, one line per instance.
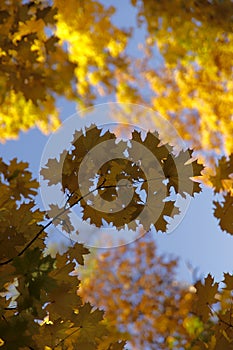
column 193, row 88
column 40, row 308
column 55, row 48
column 135, row 286
column 72, row 49
column 213, row 305
column 41, row 42
column 45, row 308
column 141, row 296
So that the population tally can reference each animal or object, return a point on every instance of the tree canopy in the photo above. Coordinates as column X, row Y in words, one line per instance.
column 194, row 87
column 138, row 289
column 128, row 296
column 51, row 49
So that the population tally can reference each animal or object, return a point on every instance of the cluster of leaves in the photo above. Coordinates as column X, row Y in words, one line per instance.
column 214, row 307
column 192, row 88
column 50, row 49
column 72, row 49
column 19, row 218
column 222, row 183
column 45, row 40
column 138, row 291
column 146, row 302
column 39, row 305
column 131, row 187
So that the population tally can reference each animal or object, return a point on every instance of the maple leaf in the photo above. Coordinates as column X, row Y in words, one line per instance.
column 223, row 171
column 53, row 171
column 206, row 294
column 50, row 335
column 63, row 271
column 77, row 251
column 228, row 281
column 111, row 167
column 47, row 14
column 29, row 303
column 6, row 271
column 179, row 173
column 62, row 301
column 224, row 212
column 60, row 216
column 11, row 242
column 151, row 143
column 20, row 179
column 35, row 268
column 15, row 333
column 89, row 322
column 169, row 210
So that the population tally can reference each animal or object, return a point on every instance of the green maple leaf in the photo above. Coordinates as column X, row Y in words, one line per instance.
column 31, row 301
column 35, row 268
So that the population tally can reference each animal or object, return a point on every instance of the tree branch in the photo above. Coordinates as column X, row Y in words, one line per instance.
column 59, row 215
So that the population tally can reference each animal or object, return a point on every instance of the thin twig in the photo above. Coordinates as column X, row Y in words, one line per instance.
column 69, row 335
column 58, row 216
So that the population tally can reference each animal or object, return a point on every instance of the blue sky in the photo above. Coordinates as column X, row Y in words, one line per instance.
column 198, row 239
